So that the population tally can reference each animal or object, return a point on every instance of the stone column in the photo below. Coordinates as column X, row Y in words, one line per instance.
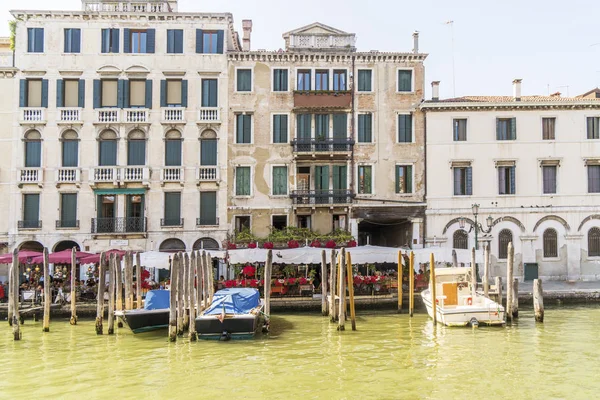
column 573, row 267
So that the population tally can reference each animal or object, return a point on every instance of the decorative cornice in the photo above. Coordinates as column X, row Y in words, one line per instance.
column 121, row 16
column 516, row 106
column 8, row 72
column 332, row 56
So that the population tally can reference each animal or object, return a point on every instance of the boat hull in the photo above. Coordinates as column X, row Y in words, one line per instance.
column 489, row 313
column 145, row 320
column 236, row 327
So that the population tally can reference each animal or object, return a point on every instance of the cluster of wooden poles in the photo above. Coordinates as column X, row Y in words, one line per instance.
column 333, row 288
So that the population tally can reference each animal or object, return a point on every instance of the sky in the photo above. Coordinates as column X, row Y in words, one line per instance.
column 553, row 45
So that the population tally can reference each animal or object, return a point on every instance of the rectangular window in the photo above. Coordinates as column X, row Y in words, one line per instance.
column 593, row 127
column 280, row 128
column 136, row 152
column 506, row 180
column 242, row 223
column 303, row 126
column 243, row 128
column 31, row 211
column 463, row 181
column 33, row 154
column 405, row 80
column 72, row 40
column 208, row 208
column 70, row 153
column 139, row 41
column 321, row 80
column 340, row 221
column 242, row 181
column 506, row 129
column 244, row 80
column 209, row 42
column 460, row 130
column 548, row 128
column 172, row 216
column 365, row 128
column 304, row 79
column 303, row 221
column 137, row 93
column 365, row 185
column 35, row 40
column 110, row 41
column 549, row 178
column 174, row 41
column 280, row 181
column 174, row 95
column 340, row 126
column 321, row 126
column 107, row 153
column 593, row 178
column 280, row 80
column 365, row 80
column 339, row 80
column 279, row 222
column 110, row 90
column 209, row 93
column 404, row 179
column 405, row 128
column 208, row 152
column 70, row 93
column 173, row 152
column 68, row 210
column 34, row 93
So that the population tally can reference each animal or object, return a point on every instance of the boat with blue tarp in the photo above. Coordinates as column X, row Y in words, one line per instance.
column 235, row 313
column 154, row 315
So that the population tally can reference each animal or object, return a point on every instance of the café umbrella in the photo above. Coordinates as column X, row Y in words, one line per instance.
column 95, row 258
column 25, row 257
column 61, row 257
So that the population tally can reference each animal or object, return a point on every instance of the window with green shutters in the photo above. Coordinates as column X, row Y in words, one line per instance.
column 365, row 177
column 174, row 41
column 304, row 80
column 31, row 211
column 35, row 40
column 280, row 179
column 173, row 152
column 68, row 210
column 244, row 80
column 365, row 128
column 172, row 216
column 593, row 127
column 506, row 180
column 365, row 80
column 405, row 128
column 340, row 126
column 242, row 181
column 110, row 41
column 463, row 181
column 208, row 152
column 280, row 80
column 404, row 179
column 208, row 208
column 72, row 39
column 321, row 126
column 243, row 129
column 506, row 129
column 107, row 150
column 303, row 126
column 70, row 152
column 280, row 128
column 136, row 152
column 209, row 93
column 405, row 80
column 33, row 153
column 460, row 129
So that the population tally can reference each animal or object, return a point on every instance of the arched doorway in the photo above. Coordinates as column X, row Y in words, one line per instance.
column 31, row 245
column 172, row 246
column 206, row 244
column 65, row 245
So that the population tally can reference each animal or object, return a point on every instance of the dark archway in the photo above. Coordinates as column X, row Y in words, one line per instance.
column 206, row 244
column 172, row 246
column 65, row 245
column 32, row 246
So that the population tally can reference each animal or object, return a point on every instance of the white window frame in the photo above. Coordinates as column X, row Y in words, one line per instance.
column 235, row 114
column 331, row 78
column 542, row 165
column 287, row 191
column 586, row 116
column 373, row 191
column 412, row 80
column 241, row 215
column 235, row 181
column 164, row 204
column 413, row 134
column 455, row 117
column 287, row 219
column 542, row 117
column 251, row 68
column 372, row 81
column 216, row 206
column 289, row 89
column 312, row 78
column 405, row 164
column 372, row 127
column 289, row 120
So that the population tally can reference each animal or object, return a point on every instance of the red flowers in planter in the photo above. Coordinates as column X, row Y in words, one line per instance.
column 249, row 270
column 291, row 281
column 231, row 246
column 268, row 245
column 352, row 243
column 253, row 283
column 229, row 284
column 359, row 280
column 252, row 245
column 293, row 244
column 302, row 281
column 330, row 244
column 315, row 243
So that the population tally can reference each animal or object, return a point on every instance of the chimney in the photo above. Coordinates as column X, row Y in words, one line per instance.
column 517, row 89
column 247, row 27
column 415, row 42
column 435, row 90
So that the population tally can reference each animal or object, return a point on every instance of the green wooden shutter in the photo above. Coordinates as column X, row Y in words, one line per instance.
column 45, row 93
column 23, row 93
column 115, row 40
column 126, row 41
column 170, row 41
column 163, row 93
column 149, row 93
column 498, row 129
column 322, row 126
column 322, row 177
column 172, row 208
column 108, row 153
column 31, row 209
column 60, row 102
column 208, row 152
column 368, row 189
column 199, row 41
column 280, row 181
column 136, row 152
column 173, row 153
column 398, row 171
column 208, row 208
column 68, row 210
column 512, row 173
column 220, row 40
column 81, row 93
column 126, row 97
column 179, row 41
column 409, row 184
column 469, row 179
column 121, row 92
column 70, row 150
column 184, row 93
column 242, row 181
column 513, row 129
column 150, row 41
column 33, row 154
column 97, row 93
column 340, row 126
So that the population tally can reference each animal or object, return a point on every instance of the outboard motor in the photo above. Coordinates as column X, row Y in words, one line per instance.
column 474, row 323
column 225, row 336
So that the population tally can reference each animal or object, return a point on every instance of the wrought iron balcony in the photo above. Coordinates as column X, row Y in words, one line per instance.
column 67, row 224
column 321, row 197
column 29, row 224
column 326, row 145
column 207, row 221
column 119, row 225
column 171, row 222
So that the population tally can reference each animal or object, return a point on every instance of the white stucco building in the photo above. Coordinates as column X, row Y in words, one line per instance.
column 118, row 136
column 532, row 163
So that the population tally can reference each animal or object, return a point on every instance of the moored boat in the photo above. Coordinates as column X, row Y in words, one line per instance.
column 154, row 315
column 457, row 304
column 236, row 313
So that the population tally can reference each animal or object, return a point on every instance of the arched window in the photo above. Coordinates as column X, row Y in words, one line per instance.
column 33, row 149
column 594, row 242
column 107, row 148
column 550, row 243
column 208, row 148
column 70, row 149
column 460, row 240
column 173, row 148
column 504, row 238
column 206, row 244
column 136, row 148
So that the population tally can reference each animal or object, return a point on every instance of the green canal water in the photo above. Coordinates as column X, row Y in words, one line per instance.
column 304, row 357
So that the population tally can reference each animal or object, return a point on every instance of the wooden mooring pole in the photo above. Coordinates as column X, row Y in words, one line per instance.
column 47, row 293
column 498, row 284
column 112, row 266
column 100, row 296
column 186, row 293
column 538, row 300
column 333, row 285
column 14, row 289
column 411, row 284
column 473, row 275
column 173, row 299
column 342, row 291
column 192, row 297
column 509, row 281
column 433, row 288
column 129, row 281
column 211, row 278
column 400, row 281
column 515, row 299
column 73, row 320
column 486, row 270
column 350, row 276
column 324, row 305
column 10, row 296
column 180, row 267
column 268, row 271
column 119, row 288
column 202, row 279
column 138, row 279
column 198, row 266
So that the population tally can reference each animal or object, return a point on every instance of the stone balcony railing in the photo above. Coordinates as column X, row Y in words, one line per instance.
column 173, row 115
column 104, row 175
column 172, row 174
column 33, row 115
column 69, row 115
column 135, row 174
column 107, row 115
column 152, row 6
column 68, row 175
column 209, row 115
column 135, row 116
column 207, row 174
column 30, row 176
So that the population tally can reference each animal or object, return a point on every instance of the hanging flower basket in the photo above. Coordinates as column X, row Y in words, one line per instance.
column 268, row 245
column 330, row 244
column 315, row 243
column 293, row 244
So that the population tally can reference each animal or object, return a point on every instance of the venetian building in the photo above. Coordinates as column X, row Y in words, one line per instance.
column 532, row 164
column 325, row 137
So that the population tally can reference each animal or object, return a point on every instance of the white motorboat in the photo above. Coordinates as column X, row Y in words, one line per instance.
column 457, row 304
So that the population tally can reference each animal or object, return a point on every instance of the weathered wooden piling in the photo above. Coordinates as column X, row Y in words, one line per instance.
column 538, row 300
column 197, row 265
column 498, row 284
column 119, row 289
column 509, row 281
column 138, row 280
column 454, row 259
column 129, row 281
column 14, row 289
column 350, row 276
column 112, row 266
column 180, row 268
column 211, row 278
column 411, row 284
column 342, row 291
column 324, row 305
column 433, row 288
column 268, row 271
column 100, row 297
column 10, row 296
column 73, row 320
column 173, row 300
column 333, row 285
column 473, row 275
column 515, row 298
column 47, row 293
column 399, row 281
column 192, row 297
column 486, row 270
column 186, row 294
